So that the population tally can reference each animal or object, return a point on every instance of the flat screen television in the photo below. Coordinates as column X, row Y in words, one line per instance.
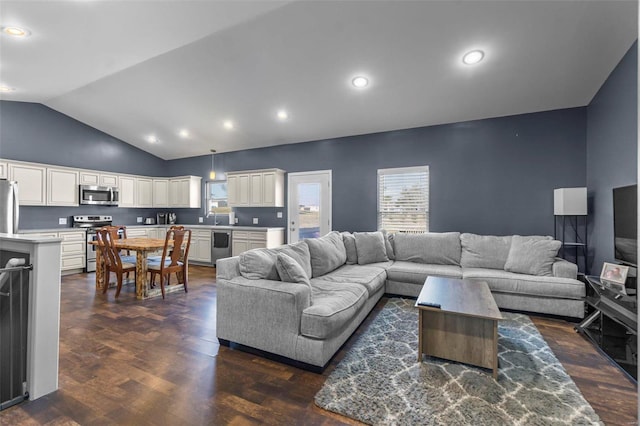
column 625, row 224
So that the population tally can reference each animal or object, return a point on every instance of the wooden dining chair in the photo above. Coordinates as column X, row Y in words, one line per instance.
column 173, row 259
column 112, row 260
column 157, row 258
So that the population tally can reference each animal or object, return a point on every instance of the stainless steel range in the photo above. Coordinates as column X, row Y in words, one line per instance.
column 91, row 224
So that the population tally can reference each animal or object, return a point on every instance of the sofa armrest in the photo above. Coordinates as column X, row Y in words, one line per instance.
column 564, row 269
column 263, row 314
column 228, row 268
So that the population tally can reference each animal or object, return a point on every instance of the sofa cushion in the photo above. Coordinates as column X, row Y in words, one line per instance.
column 371, row 276
column 370, row 247
column 327, row 253
column 334, row 306
column 349, row 241
column 260, row 263
column 484, row 251
column 533, row 256
column 440, row 248
column 290, row 271
column 388, row 242
column 417, row 273
column 510, row 282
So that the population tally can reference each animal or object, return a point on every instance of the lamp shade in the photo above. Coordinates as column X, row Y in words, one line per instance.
column 570, row 202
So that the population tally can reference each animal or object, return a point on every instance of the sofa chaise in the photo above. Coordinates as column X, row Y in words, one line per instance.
column 303, row 301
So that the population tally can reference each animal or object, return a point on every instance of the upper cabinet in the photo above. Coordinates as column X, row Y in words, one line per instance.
column 62, row 187
column 161, row 193
column 32, row 183
column 144, row 194
column 98, row 179
column 256, row 188
column 4, row 173
column 127, row 187
column 185, row 191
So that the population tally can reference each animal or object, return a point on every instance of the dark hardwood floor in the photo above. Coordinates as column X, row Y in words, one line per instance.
column 158, row 362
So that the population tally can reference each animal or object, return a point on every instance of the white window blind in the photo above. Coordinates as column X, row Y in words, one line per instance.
column 403, row 199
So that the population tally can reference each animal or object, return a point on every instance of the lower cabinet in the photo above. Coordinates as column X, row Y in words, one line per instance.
column 200, row 250
column 72, row 250
column 246, row 240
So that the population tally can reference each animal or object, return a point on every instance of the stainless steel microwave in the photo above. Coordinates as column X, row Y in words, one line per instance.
column 100, row 195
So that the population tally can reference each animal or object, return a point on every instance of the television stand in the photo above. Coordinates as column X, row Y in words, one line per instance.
column 612, row 325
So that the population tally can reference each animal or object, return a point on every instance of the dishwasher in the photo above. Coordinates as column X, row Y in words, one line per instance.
column 220, row 245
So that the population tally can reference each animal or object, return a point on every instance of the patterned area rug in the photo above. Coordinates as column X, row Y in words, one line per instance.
column 379, row 381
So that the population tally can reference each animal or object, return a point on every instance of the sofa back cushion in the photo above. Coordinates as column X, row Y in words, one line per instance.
column 327, row 253
column 532, row 255
column 484, row 251
column 371, row 247
column 388, row 242
column 438, row 248
column 349, row 241
column 258, row 264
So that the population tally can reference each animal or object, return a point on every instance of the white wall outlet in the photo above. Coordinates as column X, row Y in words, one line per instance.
column 279, row 215
column 255, row 220
column 235, row 220
column 200, row 219
column 139, row 219
column 62, row 221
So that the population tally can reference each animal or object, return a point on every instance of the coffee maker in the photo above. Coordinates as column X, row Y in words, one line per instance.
column 163, row 218
column 172, row 218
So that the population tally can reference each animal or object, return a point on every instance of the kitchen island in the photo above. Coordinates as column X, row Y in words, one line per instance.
column 43, row 329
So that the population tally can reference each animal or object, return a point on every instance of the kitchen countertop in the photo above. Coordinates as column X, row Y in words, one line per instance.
column 28, row 239
column 212, row 227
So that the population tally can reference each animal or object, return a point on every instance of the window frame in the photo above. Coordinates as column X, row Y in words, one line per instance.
column 399, row 171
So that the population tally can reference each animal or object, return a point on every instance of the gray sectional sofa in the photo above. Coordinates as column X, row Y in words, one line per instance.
column 303, row 301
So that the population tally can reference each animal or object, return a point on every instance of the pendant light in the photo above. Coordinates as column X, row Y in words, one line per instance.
column 212, row 172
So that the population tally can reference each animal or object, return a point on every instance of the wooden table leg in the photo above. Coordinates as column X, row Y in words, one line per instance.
column 495, row 349
column 420, row 335
column 100, row 281
column 142, row 286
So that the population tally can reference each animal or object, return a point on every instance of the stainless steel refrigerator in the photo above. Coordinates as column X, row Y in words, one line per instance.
column 8, row 207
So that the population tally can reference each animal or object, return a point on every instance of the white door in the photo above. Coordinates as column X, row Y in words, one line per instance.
column 309, row 205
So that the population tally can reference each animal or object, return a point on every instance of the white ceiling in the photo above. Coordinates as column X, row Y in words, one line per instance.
column 136, row 68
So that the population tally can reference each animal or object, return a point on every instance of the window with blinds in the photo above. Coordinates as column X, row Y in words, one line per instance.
column 403, row 199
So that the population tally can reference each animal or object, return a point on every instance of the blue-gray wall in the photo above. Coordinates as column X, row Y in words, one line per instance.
column 34, row 132
column 493, row 176
column 612, row 139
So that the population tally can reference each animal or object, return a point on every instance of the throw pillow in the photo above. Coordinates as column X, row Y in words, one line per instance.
column 436, row 248
column 327, row 253
column 532, row 256
column 258, row 264
column 299, row 252
column 484, row 251
column 290, row 271
column 350, row 246
column 371, row 247
column 388, row 242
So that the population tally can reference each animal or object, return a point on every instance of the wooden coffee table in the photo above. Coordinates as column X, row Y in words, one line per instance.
column 464, row 328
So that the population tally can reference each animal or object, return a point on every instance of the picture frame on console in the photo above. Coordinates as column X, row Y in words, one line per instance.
column 614, row 273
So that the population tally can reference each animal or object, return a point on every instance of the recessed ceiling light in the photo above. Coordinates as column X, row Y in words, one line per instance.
column 16, row 31
column 6, row 89
column 473, row 57
column 360, row 82
column 283, row 115
column 184, row 133
column 228, row 124
column 152, row 139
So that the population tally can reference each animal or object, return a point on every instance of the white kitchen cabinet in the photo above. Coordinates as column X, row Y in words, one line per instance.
column 161, row 193
column 200, row 249
column 32, row 183
column 185, row 191
column 246, row 240
column 62, row 187
column 256, row 188
column 144, row 192
column 98, row 179
column 72, row 251
column 127, row 186
column 4, row 173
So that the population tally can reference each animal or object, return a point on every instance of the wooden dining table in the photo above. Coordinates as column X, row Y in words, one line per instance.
column 142, row 247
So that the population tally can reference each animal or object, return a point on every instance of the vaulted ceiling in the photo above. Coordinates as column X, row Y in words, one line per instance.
column 136, row 69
